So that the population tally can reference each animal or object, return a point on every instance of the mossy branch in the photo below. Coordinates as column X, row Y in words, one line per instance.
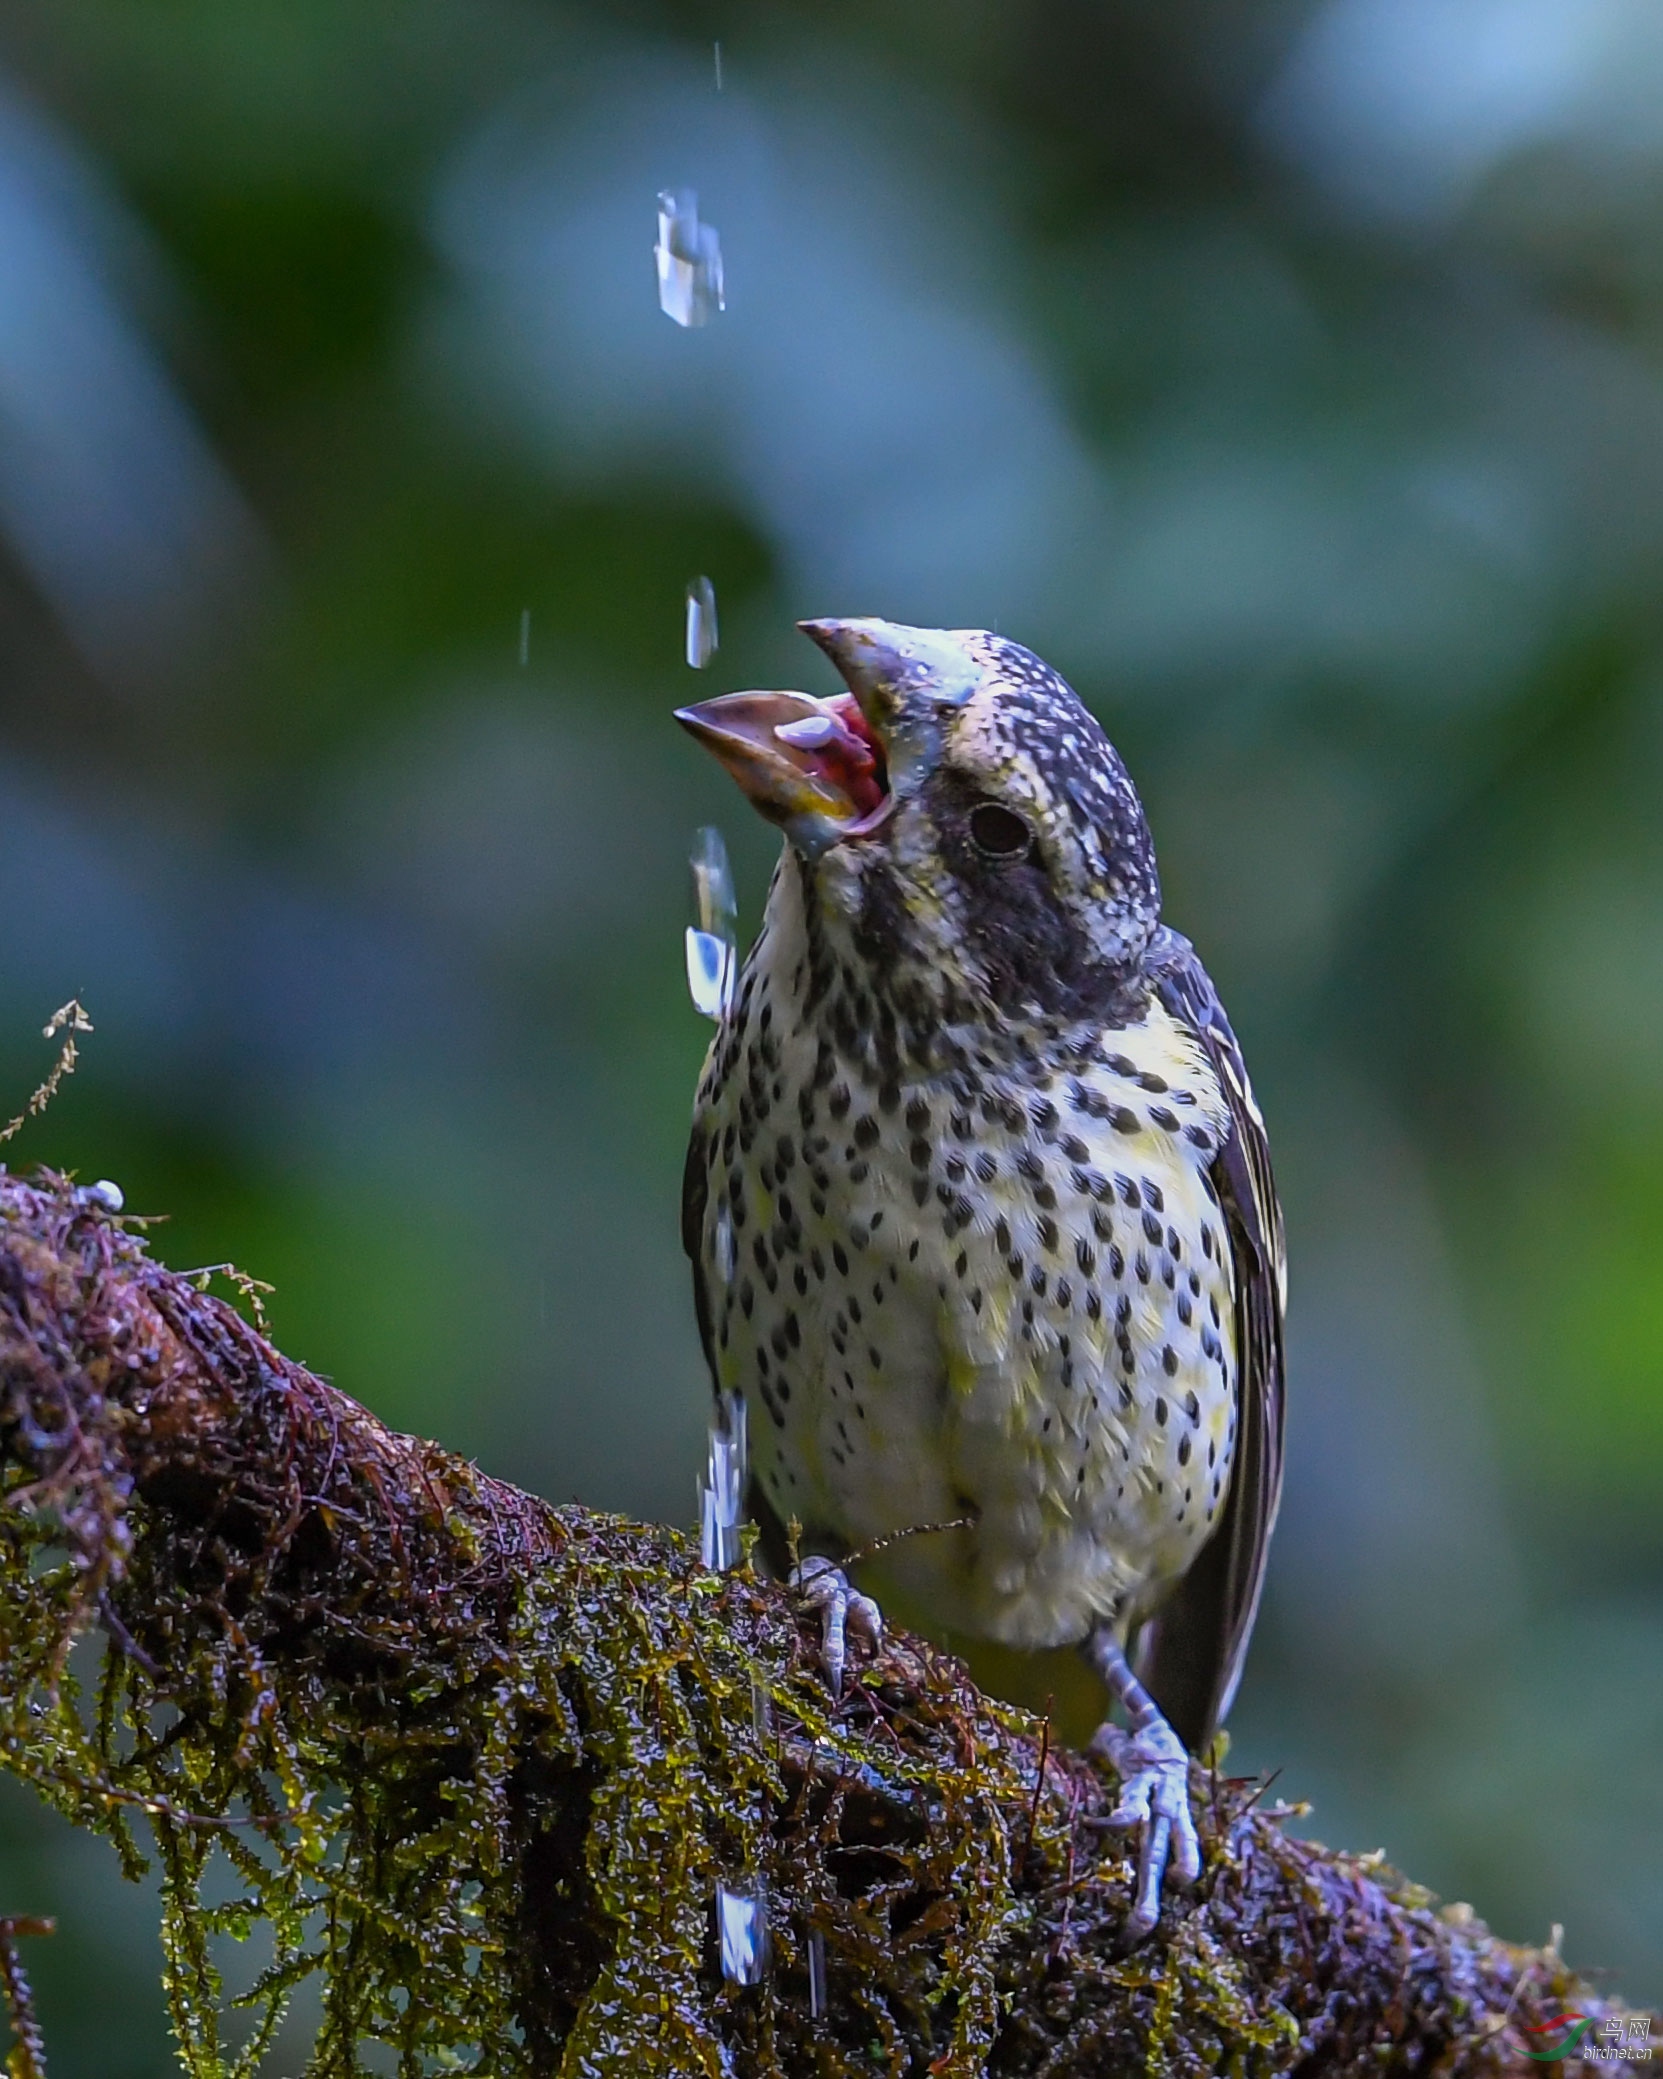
column 482, row 1763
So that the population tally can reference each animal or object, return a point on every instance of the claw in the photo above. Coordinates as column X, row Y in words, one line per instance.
column 825, row 1587
column 1154, row 1772
column 1154, row 1802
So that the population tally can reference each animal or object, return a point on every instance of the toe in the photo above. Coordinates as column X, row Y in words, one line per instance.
column 1186, row 1847
column 824, row 1586
column 1152, row 1860
column 866, row 1619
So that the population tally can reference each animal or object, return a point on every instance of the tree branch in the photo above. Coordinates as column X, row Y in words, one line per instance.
column 482, row 1763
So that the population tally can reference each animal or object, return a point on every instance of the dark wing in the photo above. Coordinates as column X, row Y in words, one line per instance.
column 1194, row 1660
column 695, row 1194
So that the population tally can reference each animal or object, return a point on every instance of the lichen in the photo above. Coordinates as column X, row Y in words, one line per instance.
column 479, row 1764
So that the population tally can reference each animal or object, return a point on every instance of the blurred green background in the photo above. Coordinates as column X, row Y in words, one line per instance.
column 1290, row 375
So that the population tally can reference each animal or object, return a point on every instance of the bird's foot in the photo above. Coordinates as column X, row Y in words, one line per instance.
column 1155, row 1801
column 825, row 1587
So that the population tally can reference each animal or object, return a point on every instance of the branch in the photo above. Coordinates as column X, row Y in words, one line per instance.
column 482, row 1763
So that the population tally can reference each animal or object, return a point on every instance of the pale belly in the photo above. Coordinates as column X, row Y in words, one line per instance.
column 1016, row 1310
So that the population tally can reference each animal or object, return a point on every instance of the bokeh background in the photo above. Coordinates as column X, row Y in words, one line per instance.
column 1288, row 372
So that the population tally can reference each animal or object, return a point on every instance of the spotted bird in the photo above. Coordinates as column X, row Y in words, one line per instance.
column 979, row 1201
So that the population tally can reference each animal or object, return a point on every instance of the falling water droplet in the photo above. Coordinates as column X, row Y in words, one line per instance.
column 725, row 1250
column 709, row 972
column 762, row 1713
column 718, row 68
column 816, row 1974
column 702, row 638
column 689, row 257
column 718, row 1539
column 744, row 1931
column 713, row 935
column 722, row 1493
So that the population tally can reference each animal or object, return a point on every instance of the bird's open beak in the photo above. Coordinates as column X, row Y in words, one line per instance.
column 814, row 767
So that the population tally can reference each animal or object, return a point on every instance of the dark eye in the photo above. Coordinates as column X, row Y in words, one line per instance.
column 999, row 832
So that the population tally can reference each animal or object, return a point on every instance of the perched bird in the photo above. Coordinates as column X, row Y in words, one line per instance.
column 979, row 1201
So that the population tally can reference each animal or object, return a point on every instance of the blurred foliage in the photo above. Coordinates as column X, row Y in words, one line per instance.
column 1287, row 374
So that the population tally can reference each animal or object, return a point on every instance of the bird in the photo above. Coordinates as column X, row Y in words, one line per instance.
column 979, row 1201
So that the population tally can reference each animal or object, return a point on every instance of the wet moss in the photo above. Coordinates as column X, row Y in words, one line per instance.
column 479, row 1764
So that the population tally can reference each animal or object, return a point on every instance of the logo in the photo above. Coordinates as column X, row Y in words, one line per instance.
column 1568, row 2029
column 1621, row 2039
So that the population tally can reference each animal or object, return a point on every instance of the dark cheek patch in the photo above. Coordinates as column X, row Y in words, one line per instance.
column 1025, row 941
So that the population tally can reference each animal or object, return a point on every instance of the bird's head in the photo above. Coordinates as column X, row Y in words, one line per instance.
column 959, row 807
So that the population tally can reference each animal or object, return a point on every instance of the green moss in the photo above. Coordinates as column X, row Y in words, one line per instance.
column 478, row 1765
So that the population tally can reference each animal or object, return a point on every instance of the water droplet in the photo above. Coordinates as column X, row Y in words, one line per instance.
column 762, row 1713
column 718, row 1539
column 725, row 1251
column 744, row 1931
column 689, row 256
column 728, row 1455
column 709, row 973
column 816, row 1974
column 525, row 637
column 713, row 935
column 722, row 1492
column 110, row 1196
column 718, row 68
column 702, row 636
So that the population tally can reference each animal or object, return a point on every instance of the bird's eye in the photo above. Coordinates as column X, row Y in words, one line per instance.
column 999, row 832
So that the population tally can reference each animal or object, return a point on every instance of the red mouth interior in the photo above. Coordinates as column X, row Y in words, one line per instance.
column 853, row 760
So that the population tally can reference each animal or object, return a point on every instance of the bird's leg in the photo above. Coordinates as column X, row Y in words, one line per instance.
column 1153, row 1768
column 825, row 1587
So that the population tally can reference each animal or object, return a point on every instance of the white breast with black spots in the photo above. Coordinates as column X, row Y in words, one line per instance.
column 1003, row 1295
